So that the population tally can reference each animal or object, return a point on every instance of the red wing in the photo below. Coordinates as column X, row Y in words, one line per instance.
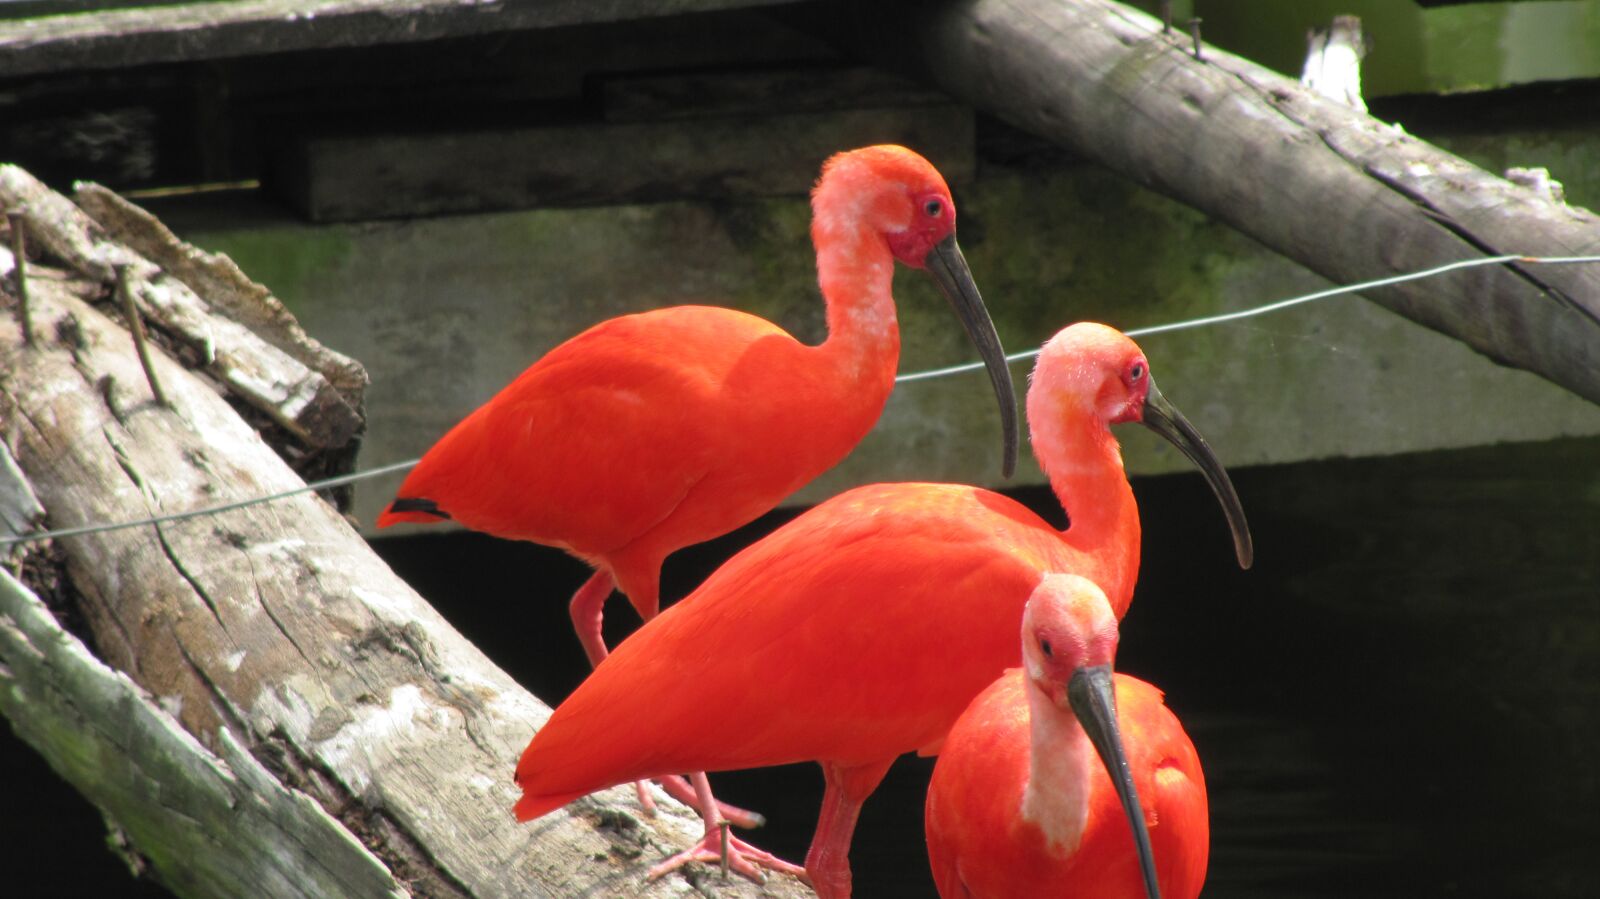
column 598, row 440
column 855, row 633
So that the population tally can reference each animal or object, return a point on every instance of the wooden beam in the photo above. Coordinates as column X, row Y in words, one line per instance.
column 116, row 38
column 664, row 97
column 1343, row 194
column 374, row 176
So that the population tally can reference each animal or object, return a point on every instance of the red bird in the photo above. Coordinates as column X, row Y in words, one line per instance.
column 863, row 628
column 1018, row 805
column 651, row 432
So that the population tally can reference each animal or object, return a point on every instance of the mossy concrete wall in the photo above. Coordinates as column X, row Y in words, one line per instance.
column 445, row 311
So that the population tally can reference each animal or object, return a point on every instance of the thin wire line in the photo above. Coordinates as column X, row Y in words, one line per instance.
column 324, row 484
column 1206, row 321
column 1274, row 307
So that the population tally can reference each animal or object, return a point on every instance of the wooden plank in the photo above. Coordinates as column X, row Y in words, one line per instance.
column 117, row 38
column 344, row 178
column 1345, row 195
column 654, row 98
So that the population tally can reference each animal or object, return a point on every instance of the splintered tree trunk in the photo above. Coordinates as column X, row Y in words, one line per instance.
column 1339, row 192
column 273, row 711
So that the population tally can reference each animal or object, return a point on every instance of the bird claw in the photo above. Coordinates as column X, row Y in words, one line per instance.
column 720, row 848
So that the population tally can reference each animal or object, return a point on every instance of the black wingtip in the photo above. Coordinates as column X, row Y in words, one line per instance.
column 417, row 504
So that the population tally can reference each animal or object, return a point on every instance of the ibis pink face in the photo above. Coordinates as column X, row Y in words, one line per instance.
column 890, row 190
column 933, row 221
column 1090, row 372
column 1066, row 625
column 901, row 196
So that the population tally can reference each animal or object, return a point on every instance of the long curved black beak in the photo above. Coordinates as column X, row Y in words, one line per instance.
column 1092, row 700
column 949, row 268
column 1165, row 419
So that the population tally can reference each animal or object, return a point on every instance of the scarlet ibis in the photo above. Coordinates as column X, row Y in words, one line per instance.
column 651, row 432
column 861, row 629
column 1018, row 806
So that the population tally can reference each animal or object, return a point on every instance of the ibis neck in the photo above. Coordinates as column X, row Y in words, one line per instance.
column 1085, row 470
column 1061, row 765
column 856, row 273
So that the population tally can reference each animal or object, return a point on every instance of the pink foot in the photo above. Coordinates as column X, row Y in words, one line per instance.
column 742, row 858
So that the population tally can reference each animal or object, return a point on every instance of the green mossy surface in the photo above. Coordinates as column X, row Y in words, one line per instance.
column 445, row 311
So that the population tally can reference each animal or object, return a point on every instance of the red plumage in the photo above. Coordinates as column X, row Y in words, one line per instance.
column 863, row 628
column 648, row 433
column 981, row 846
column 651, row 432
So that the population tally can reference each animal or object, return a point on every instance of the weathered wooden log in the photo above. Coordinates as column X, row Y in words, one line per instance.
column 295, row 396
column 20, row 512
column 217, row 824
column 1343, row 194
column 299, row 663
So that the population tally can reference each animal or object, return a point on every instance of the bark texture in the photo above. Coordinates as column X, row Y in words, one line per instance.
column 291, row 690
column 212, row 823
column 295, row 395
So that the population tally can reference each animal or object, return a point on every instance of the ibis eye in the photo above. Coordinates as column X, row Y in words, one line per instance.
column 933, row 208
column 1136, row 371
column 1044, row 647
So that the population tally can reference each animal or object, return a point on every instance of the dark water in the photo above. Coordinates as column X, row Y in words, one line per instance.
column 1399, row 699
column 1402, row 698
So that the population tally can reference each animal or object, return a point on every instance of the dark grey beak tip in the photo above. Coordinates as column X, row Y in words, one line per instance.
column 1092, row 694
column 948, row 267
column 1165, row 419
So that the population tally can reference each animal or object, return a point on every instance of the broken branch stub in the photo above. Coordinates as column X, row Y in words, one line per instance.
column 296, row 397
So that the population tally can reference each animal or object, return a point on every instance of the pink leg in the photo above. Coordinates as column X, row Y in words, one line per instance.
column 741, row 857
column 828, row 861
column 679, row 789
column 588, row 610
